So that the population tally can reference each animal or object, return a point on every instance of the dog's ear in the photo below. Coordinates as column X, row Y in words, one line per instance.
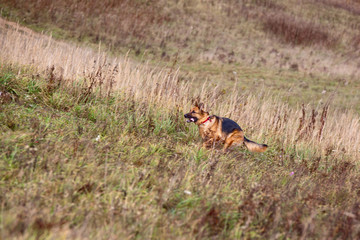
column 196, row 101
column 201, row 106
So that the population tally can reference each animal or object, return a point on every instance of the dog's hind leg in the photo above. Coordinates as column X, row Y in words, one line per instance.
column 236, row 136
column 227, row 144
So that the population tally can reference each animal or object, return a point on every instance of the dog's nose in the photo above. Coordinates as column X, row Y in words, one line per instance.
column 185, row 115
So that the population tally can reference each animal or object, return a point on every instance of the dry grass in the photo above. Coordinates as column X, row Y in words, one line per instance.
column 350, row 6
column 96, row 147
column 99, row 149
column 199, row 32
column 260, row 115
column 210, row 40
column 116, row 22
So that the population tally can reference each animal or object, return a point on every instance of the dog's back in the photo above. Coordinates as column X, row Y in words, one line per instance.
column 228, row 126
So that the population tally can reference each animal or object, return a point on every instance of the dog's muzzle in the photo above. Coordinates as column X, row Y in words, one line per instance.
column 190, row 118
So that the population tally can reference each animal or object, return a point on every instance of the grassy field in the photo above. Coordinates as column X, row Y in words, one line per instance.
column 77, row 165
column 94, row 144
column 302, row 51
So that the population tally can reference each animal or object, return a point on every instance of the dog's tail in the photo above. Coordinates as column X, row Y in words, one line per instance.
column 254, row 147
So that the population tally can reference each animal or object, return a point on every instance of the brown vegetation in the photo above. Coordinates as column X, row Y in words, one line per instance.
column 352, row 6
column 296, row 31
column 114, row 22
column 163, row 88
column 199, row 32
column 119, row 166
column 96, row 147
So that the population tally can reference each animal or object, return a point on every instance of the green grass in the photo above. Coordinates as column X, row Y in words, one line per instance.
column 112, row 168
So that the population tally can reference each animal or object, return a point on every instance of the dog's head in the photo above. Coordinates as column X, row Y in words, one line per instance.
column 196, row 115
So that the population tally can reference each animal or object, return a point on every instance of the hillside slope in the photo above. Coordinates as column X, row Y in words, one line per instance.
column 77, row 165
column 94, row 145
column 304, row 51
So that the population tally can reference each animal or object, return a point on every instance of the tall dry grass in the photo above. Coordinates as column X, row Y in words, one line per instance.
column 96, row 20
column 227, row 31
column 324, row 130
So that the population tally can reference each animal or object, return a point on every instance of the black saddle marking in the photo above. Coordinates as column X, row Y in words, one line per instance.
column 228, row 126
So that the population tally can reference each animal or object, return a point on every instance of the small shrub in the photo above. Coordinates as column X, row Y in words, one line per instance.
column 352, row 7
column 297, row 31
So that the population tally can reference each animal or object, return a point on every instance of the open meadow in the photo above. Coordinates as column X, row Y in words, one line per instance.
column 94, row 144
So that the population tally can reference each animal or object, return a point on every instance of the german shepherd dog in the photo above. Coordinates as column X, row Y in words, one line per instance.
column 213, row 128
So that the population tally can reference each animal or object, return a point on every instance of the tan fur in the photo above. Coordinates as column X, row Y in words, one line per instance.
column 254, row 147
column 211, row 131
